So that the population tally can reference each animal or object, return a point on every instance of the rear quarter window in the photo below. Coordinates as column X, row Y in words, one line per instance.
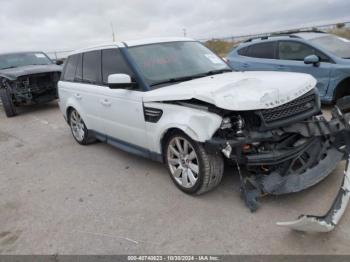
column 70, row 68
column 92, row 67
column 243, row 51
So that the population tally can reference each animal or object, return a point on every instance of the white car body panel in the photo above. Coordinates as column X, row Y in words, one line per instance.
column 239, row 91
column 198, row 124
column 107, row 111
column 123, row 115
column 86, row 99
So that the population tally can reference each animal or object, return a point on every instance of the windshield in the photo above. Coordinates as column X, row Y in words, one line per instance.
column 23, row 59
column 337, row 45
column 168, row 62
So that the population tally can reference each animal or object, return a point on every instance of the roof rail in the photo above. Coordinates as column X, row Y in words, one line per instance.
column 288, row 33
column 269, row 36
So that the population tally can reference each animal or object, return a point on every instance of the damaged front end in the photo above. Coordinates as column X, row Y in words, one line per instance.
column 35, row 88
column 286, row 150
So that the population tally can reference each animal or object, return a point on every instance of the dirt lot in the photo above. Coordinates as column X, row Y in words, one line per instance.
column 57, row 197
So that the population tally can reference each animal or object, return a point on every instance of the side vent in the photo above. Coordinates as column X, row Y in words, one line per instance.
column 152, row 115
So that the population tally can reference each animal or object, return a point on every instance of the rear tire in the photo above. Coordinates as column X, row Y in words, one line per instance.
column 192, row 169
column 7, row 102
column 79, row 130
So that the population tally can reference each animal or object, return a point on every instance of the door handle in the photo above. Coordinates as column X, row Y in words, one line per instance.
column 105, row 102
column 78, row 96
column 245, row 65
column 281, row 67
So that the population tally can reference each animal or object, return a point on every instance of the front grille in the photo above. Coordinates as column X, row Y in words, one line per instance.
column 299, row 106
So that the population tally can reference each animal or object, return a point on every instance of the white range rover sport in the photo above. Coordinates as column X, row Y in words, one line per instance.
column 175, row 101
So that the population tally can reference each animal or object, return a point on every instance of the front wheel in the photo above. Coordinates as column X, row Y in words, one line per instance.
column 192, row 169
column 7, row 102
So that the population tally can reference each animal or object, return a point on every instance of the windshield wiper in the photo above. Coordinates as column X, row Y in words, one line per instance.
column 187, row 78
column 219, row 71
column 173, row 80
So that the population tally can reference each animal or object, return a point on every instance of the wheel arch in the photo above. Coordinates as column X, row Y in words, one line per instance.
column 166, row 134
column 342, row 89
column 185, row 129
column 68, row 111
column 199, row 125
column 70, row 105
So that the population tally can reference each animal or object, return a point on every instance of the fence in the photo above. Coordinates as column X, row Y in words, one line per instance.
column 239, row 38
column 63, row 53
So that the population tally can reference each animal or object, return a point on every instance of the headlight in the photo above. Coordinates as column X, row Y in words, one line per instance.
column 239, row 125
column 226, row 123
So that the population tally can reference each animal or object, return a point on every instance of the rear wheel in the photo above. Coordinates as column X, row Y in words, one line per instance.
column 7, row 102
column 192, row 169
column 79, row 130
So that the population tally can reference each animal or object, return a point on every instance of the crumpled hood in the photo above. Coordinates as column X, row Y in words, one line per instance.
column 13, row 73
column 239, row 90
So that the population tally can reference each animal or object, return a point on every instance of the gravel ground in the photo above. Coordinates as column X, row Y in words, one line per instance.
column 57, row 197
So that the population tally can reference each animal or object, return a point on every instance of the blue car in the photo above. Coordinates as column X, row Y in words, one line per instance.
column 323, row 55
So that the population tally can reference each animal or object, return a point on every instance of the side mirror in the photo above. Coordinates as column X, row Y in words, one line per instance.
column 59, row 62
column 117, row 81
column 312, row 59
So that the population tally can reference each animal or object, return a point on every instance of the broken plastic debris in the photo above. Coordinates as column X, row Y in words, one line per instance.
column 326, row 223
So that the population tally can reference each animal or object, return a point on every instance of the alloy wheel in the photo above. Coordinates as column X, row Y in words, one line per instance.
column 77, row 126
column 183, row 162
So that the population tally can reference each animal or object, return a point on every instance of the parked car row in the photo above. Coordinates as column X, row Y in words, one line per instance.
column 174, row 101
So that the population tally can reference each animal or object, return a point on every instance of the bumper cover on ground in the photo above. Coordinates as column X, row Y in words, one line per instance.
column 327, row 222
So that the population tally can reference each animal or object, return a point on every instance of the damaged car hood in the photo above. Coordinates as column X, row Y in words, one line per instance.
column 238, row 90
column 13, row 73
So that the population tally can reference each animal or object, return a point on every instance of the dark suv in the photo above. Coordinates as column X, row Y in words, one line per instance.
column 27, row 78
column 324, row 56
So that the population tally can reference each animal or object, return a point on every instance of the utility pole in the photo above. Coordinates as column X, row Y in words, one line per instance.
column 113, row 33
column 185, row 32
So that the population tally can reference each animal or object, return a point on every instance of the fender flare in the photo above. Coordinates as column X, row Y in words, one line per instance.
column 340, row 85
column 72, row 104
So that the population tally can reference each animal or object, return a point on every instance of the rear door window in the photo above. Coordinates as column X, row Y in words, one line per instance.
column 262, row 50
column 92, row 67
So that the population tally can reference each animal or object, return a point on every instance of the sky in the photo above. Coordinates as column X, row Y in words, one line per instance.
column 52, row 25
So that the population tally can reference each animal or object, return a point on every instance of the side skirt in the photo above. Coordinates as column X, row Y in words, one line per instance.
column 130, row 148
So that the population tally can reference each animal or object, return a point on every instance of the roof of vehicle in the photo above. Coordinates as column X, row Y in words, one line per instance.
column 132, row 43
column 306, row 35
column 20, row 52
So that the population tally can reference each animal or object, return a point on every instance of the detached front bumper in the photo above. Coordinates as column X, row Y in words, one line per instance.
column 327, row 144
column 327, row 222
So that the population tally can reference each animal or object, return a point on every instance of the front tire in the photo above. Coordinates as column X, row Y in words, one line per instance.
column 79, row 130
column 192, row 169
column 7, row 102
